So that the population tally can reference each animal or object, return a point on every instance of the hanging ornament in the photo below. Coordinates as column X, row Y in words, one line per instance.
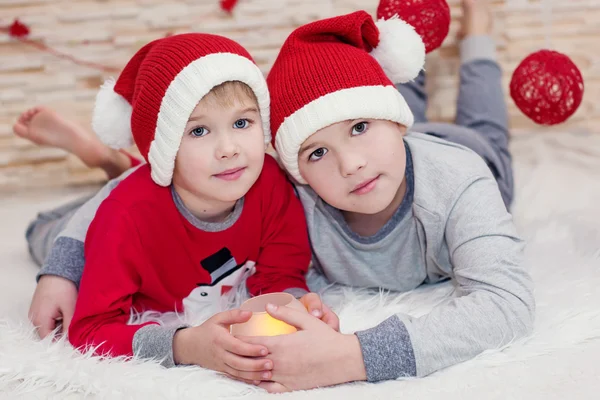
column 430, row 18
column 19, row 31
column 547, row 86
column 228, row 5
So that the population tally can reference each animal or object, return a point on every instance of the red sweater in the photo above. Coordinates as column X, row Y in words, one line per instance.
column 142, row 253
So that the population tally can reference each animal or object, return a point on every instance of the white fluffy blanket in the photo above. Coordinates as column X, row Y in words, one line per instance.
column 557, row 210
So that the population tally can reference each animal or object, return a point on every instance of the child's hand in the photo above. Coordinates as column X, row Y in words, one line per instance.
column 210, row 345
column 315, row 306
column 315, row 356
column 53, row 303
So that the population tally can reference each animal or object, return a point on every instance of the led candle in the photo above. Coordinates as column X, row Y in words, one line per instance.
column 261, row 323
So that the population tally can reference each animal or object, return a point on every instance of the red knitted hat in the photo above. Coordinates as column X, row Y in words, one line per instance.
column 338, row 69
column 159, row 88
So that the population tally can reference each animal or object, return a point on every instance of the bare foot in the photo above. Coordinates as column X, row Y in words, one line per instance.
column 476, row 19
column 45, row 127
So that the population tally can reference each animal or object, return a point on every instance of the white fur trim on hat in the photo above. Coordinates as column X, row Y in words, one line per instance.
column 369, row 102
column 401, row 51
column 111, row 120
column 184, row 93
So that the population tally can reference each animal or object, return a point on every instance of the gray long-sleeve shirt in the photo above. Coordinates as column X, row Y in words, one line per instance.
column 451, row 224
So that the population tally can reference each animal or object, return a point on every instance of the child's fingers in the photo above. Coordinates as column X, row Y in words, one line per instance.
column 248, row 375
column 313, row 304
column 273, row 387
column 332, row 321
column 330, row 318
column 247, row 381
column 247, row 364
column 66, row 320
column 231, row 317
column 265, row 341
column 45, row 326
column 290, row 316
column 43, row 321
column 236, row 346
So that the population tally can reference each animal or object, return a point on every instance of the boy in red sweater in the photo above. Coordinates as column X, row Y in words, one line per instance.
column 207, row 211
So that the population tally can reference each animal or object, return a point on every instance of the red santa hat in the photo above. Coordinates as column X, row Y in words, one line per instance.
column 339, row 69
column 158, row 89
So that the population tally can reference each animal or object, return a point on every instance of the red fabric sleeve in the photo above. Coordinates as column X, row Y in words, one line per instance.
column 113, row 256
column 285, row 250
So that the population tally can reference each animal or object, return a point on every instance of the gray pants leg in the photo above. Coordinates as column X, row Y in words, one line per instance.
column 481, row 117
column 416, row 97
column 42, row 231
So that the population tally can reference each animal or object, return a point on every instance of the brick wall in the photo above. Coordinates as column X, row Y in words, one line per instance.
column 110, row 31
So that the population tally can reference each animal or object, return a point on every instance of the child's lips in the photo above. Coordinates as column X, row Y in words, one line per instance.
column 231, row 174
column 365, row 186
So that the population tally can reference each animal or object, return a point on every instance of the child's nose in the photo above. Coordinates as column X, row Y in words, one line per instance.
column 227, row 147
column 351, row 163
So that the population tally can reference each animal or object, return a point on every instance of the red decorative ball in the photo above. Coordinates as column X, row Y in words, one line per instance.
column 547, row 87
column 430, row 18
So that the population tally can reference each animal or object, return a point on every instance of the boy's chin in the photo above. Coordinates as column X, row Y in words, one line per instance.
column 372, row 204
column 232, row 195
column 233, row 191
column 365, row 207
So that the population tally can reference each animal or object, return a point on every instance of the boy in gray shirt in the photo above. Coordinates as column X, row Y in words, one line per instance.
column 392, row 212
column 390, row 209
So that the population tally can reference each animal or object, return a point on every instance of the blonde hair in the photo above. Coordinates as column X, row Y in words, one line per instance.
column 228, row 93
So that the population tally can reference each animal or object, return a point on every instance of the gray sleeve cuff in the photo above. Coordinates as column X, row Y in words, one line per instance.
column 156, row 342
column 387, row 351
column 477, row 48
column 296, row 292
column 66, row 259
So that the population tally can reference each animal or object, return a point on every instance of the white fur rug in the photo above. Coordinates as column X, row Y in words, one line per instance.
column 557, row 210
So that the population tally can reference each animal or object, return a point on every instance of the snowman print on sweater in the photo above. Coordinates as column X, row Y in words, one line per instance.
column 226, row 276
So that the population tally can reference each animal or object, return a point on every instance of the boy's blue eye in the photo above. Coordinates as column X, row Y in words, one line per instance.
column 241, row 123
column 317, row 154
column 359, row 128
column 199, row 132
